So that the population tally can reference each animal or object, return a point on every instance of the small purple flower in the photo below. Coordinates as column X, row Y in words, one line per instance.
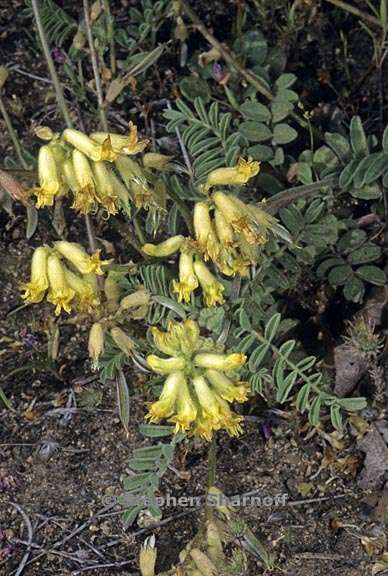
column 58, row 55
column 6, row 551
column 266, row 431
column 30, row 341
column 218, row 72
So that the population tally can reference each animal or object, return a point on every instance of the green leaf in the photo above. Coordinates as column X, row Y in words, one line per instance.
column 354, row 290
column 304, row 173
column 362, row 168
column 253, row 45
column 244, row 320
column 283, row 134
column 351, row 240
column 372, row 274
column 192, row 87
column 302, row 399
column 385, row 140
column 255, row 131
column 286, row 95
column 339, row 145
column 366, row 253
column 346, row 176
column 272, row 327
column 280, row 109
column 285, row 81
column 32, row 221
column 378, row 167
column 314, row 210
column 257, row 356
column 325, row 266
column 129, row 516
column 132, row 483
column 171, row 305
column 358, row 137
column 261, row 152
column 368, row 192
column 335, row 416
column 286, row 386
column 255, row 111
column 123, row 399
column 339, row 275
column 352, row 404
column 324, row 157
column 153, row 431
column 315, row 411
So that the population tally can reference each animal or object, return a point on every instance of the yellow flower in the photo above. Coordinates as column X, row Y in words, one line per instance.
column 35, row 289
column 83, row 187
column 211, row 287
column 79, row 258
column 87, row 298
column 156, row 161
column 166, row 248
column 139, row 298
column 186, row 410
column 105, row 187
column 165, row 365
column 207, row 400
column 222, row 362
column 112, row 290
column 96, row 151
column 122, row 340
column 60, row 294
column 129, row 144
column 204, row 232
column 203, row 428
column 187, row 279
column 49, row 180
column 249, row 220
column 168, row 342
column 133, row 176
column 229, row 420
column 190, row 339
column 96, row 343
column 234, row 175
column 165, row 406
column 227, row 389
column 147, row 558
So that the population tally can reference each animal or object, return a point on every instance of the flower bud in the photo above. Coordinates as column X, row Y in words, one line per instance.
column 129, row 144
column 234, row 175
column 147, row 559
column 139, row 298
column 79, row 258
column 93, row 150
column 212, row 288
column 96, row 343
column 188, row 281
column 166, row 248
column 221, row 362
column 122, row 340
column 104, row 186
column 165, row 365
column 204, row 232
column 35, row 289
column 49, row 181
column 60, row 294
column 203, row 562
column 156, row 161
column 83, row 186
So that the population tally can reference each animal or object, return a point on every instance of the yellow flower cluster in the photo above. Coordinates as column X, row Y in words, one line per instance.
column 199, row 383
column 193, row 272
column 227, row 231
column 67, row 274
column 96, row 169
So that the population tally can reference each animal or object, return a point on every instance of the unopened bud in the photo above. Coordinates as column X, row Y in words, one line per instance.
column 122, row 340
column 96, row 343
column 147, row 558
column 139, row 298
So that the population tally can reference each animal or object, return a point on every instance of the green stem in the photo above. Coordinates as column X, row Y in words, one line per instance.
column 285, row 197
column 110, row 37
column 12, row 133
column 93, row 56
column 212, row 463
column 50, row 64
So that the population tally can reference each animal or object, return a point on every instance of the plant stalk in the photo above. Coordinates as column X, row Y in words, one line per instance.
column 93, row 56
column 12, row 133
column 212, row 463
column 50, row 64
column 356, row 12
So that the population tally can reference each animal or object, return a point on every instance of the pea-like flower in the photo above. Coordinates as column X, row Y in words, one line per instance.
column 60, row 294
column 79, row 177
column 35, row 289
column 49, row 179
column 106, row 193
column 204, row 232
column 233, row 175
column 212, row 289
column 96, row 343
column 85, row 293
column 96, row 151
column 188, row 281
column 200, row 382
column 121, row 144
column 79, row 257
column 166, row 248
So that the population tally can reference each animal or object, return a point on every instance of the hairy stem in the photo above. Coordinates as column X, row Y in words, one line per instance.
column 50, row 64
column 212, row 463
column 12, row 133
column 285, row 197
column 93, row 56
